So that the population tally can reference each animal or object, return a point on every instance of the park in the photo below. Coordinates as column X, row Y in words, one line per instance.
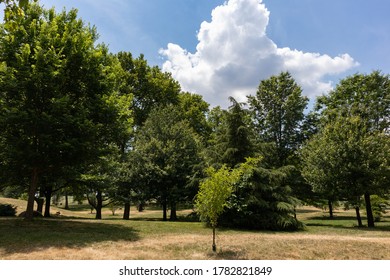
column 103, row 156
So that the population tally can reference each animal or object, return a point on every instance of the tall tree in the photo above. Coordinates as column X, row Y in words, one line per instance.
column 167, row 149
column 278, row 113
column 231, row 139
column 53, row 89
column 150, row 86
column 366, row 97
column 345, row 161
column 195, row 110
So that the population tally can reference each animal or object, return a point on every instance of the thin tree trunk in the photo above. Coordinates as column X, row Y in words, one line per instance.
column 40, row 201
column 126, row 213
column 66, row 201
column 214, row 245
column 359, row 218
column 164, row 205
column 330, row 205
column 48, row 193
column 99, row 205
column 173, row 216
column 370, row 216
column 31, row 195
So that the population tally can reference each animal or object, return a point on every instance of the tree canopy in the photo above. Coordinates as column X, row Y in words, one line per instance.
column 54, row 85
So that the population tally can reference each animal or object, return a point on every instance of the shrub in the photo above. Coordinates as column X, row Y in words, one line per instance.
column 7, row 210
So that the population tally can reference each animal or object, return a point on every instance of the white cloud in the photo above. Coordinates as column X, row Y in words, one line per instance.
column 234, row 54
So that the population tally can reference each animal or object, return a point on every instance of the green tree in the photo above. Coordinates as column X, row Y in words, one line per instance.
column 54, row 84
column 278, row 113
column 195, row 110
column 262, row 199
column 213, row 195
column 150, row 86
column 167, row 149
column 100, row 180
column 231, row 139
column 344, row 160
column 366, row 97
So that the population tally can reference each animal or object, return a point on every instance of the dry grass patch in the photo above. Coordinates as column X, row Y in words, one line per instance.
column 145, row 236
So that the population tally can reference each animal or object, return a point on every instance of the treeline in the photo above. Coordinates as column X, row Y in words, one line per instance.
column 78, row 120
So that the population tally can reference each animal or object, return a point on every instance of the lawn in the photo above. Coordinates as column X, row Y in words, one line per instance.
column 74, row 234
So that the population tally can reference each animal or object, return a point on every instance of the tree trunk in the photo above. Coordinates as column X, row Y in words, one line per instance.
column 164, row 205
column 40, row 201
column 370, row 216
column 31, row 195
column 66, row 201
column 173, row 216
column 99, row 205
column 126, row 213
column 214, row 245
column 330, row 205
column 359, row 219
column 48, row 193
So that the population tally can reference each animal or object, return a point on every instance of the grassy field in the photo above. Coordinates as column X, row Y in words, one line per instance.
column 74, row 234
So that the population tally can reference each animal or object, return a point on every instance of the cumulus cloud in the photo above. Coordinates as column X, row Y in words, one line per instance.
column 234, row 54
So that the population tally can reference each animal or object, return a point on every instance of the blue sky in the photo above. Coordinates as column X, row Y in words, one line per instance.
column 220, row 49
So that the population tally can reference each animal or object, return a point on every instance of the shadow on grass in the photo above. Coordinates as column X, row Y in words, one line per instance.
column 226, row 255
column 343, row 222
column 335, row 218
column 18, row 235
column 307, row 211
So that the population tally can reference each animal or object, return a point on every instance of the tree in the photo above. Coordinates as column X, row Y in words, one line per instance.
column 22, row 3
column 213, row 195
column 320, row 166
column 194, row 110
column 366, row 97
column 278, row 112
column 262, row 199
column 54, row 84
column 100, row 180
column 231, row 140
column 167, row 149
column 346, row 161
column 150, row 86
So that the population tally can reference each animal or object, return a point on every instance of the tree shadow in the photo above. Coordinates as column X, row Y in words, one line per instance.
column 335, row 218
column 307, row 211
column 21, row 236
column 226, row 255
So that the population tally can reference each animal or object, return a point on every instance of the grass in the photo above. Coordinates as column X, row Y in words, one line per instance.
column 76, row 235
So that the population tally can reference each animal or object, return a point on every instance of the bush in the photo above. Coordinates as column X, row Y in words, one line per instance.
column 7, row 210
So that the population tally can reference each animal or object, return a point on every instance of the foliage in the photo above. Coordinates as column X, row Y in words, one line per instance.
column 231, row 139
column 54, row 85
column 366, row 96
column 7, row 210
column 214, row 192
column 379, row 206
column 194, row 110
column 167, row 152
column 150, row 86
column 277, row 110
column 262, row 199
column 344, row 161
column 364, row 102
